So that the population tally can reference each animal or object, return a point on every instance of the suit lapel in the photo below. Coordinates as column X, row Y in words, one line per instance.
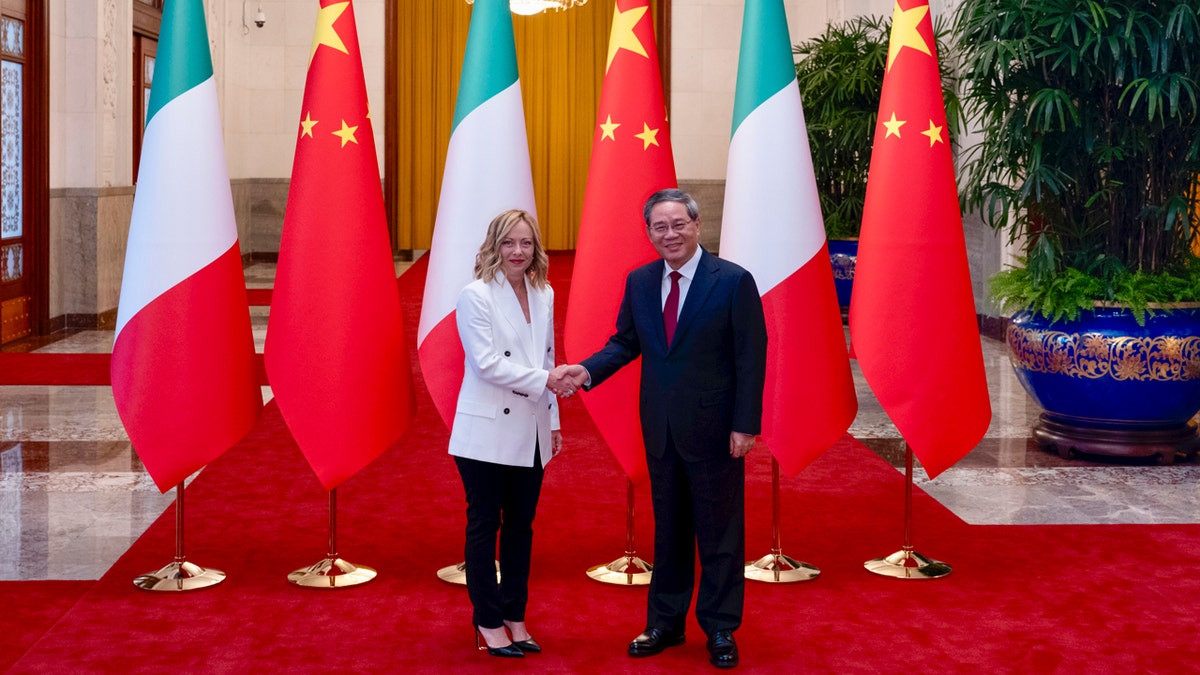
column 649, row 303
column 510, row 308
column 539, row 311
column 702, row 285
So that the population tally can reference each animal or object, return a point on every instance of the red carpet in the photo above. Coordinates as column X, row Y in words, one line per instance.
column 1021, row 599
column 38, row 605
column 258, row 296
column 35, row 368
column 38, row 368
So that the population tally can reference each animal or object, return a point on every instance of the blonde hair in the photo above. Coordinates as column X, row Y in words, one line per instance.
column 488, row 261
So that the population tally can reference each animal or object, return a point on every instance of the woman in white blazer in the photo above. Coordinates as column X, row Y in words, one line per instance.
column 506, row 423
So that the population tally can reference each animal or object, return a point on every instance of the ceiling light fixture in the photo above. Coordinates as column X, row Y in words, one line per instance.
column 530, row 7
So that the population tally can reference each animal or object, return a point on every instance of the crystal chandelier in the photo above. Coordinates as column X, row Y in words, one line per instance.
column 528, row 7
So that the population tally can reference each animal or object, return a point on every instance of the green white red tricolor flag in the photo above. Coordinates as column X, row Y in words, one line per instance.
column 913, row 325
column 183, row 371
column 631, row 159
column 487, row 172
column 335, row 351
column 772, row 226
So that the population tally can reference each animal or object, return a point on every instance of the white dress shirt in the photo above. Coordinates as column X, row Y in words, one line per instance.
column 687, row 272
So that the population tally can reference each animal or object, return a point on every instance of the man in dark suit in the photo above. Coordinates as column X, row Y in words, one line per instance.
column 697, row 322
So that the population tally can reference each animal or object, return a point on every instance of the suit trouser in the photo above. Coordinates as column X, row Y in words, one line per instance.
column 500, row 499
column 697, row 505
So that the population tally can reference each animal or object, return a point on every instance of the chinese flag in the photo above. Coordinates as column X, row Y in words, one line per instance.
column 773, row 227
column 631, row 159
column 335, row 351
column 912, row 313
column 183, row 374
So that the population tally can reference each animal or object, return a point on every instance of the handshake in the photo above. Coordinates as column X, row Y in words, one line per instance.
column 565, row 380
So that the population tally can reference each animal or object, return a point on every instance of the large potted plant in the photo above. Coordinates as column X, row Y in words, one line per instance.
column 840, row 75
column 1088, row 161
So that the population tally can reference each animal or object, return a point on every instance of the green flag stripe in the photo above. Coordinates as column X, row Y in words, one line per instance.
column 490, row 63
column 183, row 59
column 765, row 61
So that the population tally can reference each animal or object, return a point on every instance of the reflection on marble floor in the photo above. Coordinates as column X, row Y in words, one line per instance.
column 1008, row 479
column 74, row 496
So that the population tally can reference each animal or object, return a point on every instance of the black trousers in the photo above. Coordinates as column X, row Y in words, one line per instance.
column 501, row 500
column 697, row 505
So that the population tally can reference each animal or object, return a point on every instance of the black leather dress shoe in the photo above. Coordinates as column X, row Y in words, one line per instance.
column 722, row 650
column 653, row 641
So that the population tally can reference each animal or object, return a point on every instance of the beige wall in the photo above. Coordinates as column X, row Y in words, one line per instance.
column 91, row 167
column 262, row 78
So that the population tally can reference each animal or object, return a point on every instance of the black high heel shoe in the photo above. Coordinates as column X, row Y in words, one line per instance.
column 529, row 645
column 509, row 650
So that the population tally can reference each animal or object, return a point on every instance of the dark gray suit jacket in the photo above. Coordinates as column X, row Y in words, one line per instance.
column 709, row 381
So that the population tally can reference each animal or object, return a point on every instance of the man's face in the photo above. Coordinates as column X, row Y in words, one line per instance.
column 675, row 236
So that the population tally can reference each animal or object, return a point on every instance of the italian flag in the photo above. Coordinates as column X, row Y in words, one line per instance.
column 772, row 226
column 183, row 370
column 487, row 171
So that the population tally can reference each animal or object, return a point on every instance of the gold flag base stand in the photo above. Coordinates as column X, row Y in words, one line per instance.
column 179, row 575
column 907, row 563
column 778, row 568
column 454, row 574
column 457, row 574
column 775, row 567
column 332, row 572
column 628, row 570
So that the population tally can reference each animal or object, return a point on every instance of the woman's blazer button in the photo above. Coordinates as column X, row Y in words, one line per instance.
column 506, row 411
column 508, row 353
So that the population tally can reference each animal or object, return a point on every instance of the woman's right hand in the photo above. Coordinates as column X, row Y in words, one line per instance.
column 565, row 380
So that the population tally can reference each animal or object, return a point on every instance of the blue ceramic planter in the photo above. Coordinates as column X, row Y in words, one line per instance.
column 1105, row 377
column 843, row 253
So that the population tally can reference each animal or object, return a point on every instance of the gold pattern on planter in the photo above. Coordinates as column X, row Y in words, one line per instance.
column 843, row 266
column 1093, row 355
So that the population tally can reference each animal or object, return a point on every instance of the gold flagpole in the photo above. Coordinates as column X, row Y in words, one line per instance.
column 179, row 575
column 629, row 569
column 775, row 567
column 907, row 563
column 332, row 572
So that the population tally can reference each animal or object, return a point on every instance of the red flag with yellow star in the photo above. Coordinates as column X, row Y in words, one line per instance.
column 335, row 351
column 631, row 159
column 912, row 312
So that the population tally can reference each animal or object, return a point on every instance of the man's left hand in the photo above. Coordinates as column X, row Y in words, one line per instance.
column 740, row 444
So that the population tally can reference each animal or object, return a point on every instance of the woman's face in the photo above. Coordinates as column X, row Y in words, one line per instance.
column 516, row 250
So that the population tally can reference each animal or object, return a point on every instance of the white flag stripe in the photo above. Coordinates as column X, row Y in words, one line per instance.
column 183, row 214
column 487, row 171
column 771, row 144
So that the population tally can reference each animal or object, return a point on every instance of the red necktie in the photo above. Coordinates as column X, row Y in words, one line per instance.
column 671, row 309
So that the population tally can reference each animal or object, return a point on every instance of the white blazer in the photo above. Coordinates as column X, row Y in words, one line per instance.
column 504, row 406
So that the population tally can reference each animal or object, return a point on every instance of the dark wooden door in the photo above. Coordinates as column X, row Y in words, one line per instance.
column 16, row 287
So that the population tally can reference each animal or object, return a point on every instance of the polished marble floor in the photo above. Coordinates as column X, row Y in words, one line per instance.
column 73, row 495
